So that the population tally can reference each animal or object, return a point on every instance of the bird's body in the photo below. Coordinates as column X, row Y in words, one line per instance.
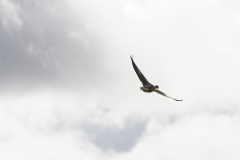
column 148, row 87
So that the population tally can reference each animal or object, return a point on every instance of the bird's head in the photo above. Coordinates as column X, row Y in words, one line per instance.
column 156, row 87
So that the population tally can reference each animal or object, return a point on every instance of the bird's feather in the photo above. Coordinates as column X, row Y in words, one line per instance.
column 163, row 94
column 139, row 73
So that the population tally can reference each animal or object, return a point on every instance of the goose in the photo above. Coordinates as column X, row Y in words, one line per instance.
column 148, row 87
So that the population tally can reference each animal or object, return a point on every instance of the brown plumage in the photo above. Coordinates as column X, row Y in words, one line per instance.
column 148, row 87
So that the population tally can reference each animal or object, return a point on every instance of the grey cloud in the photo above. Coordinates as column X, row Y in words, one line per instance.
column 43, row 53
column 9, row 16
column 113, row 137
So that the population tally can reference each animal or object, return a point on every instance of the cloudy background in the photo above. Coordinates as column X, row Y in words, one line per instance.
column 68, row 89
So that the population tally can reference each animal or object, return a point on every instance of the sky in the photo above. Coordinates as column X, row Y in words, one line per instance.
column 68, row 89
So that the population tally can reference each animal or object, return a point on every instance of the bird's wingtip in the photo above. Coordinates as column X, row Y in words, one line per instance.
column 131, row 56
column 177, row 99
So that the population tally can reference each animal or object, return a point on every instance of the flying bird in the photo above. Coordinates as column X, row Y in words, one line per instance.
column 148, row 87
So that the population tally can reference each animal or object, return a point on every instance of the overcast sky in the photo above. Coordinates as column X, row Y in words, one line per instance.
column 68, row 89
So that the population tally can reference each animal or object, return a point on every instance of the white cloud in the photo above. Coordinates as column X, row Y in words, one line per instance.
column 20, row 142
column 58, row 125
column 201, row 137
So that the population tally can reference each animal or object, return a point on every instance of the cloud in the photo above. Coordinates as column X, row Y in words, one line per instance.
column 114, row 138
column 201, row 136
column 20, row 142
column 33, row 131
column 68, row 88
column 43, row 53
column 9, row 16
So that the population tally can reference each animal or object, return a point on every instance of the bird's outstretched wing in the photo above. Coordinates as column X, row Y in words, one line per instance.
column 139, row 73
column 163, row 94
